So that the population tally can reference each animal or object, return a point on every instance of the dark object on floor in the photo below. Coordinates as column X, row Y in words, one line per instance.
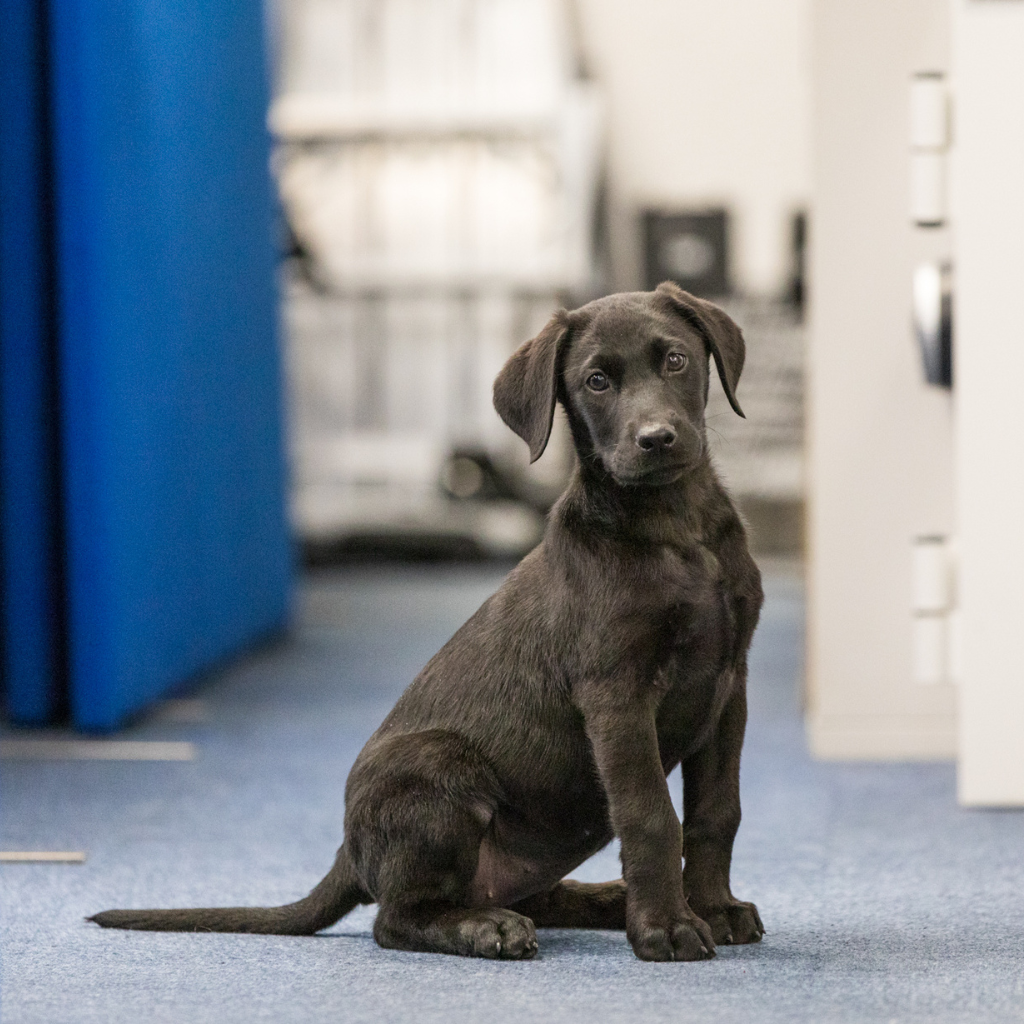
column 402, row 546
column 616, row 651
column 437, row 529
column 690, row 248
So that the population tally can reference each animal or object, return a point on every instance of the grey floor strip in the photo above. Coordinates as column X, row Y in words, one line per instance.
column 42, row 856
column 96, row 750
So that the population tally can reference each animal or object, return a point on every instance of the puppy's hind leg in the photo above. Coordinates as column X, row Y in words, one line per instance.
column 578, row 905
column 494, row 933
column 418, row 811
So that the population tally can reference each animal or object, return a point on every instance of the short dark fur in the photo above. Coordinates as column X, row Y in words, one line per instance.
column 615, row 650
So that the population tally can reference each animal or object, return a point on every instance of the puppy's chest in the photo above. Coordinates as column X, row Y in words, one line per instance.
column 699, row 640
column 698, row 635
column 697, row 603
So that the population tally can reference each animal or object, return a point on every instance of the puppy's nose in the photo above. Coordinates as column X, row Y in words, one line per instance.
column 655, row 436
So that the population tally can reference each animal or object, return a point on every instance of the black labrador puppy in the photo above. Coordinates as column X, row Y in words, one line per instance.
column 547, row 724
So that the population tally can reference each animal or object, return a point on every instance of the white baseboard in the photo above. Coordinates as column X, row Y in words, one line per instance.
column 882, row 738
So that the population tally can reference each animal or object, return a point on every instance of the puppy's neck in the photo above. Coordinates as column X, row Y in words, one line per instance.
column 675, row 513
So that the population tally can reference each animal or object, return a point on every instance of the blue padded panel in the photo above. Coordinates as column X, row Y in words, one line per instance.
column 178, row 553
column 28, row 470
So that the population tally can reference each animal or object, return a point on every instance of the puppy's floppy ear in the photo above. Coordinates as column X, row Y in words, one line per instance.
column 527, row 386
column 721, row 334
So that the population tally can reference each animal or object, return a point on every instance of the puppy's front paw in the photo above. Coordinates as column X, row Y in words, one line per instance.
column 734, row 923
column 683, row 939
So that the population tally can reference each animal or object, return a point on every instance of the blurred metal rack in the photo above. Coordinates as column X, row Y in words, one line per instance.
column 439, row 165
column 761, row 457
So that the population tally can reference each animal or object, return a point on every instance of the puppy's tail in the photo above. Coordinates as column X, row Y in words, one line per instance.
column 331, row 900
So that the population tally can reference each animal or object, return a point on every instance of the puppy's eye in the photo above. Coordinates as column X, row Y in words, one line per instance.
column 597, row 382
column 675, row 361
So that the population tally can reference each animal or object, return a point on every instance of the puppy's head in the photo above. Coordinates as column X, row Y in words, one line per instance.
column 632, row 372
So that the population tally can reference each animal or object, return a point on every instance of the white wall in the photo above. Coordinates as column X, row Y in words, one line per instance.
column 988, row 221
column 708, row 103
column 879, row 440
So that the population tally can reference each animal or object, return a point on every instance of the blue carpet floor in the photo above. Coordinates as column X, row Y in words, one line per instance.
column 883, row 901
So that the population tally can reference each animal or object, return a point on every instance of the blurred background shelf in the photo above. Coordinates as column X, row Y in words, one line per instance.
column 443, row 201
column 323, row 117
column 761, row 458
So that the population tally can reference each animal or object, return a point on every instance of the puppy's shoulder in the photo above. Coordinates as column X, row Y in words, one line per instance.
column 725, row 535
